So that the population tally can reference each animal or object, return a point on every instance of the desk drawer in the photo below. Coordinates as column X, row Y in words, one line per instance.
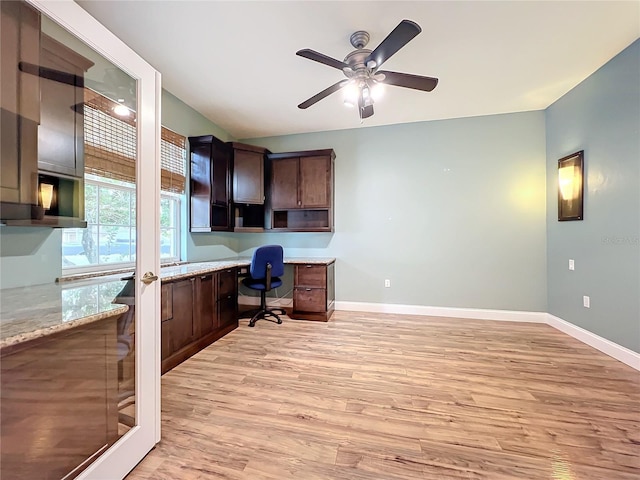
column 309, row 299
column 311, row 276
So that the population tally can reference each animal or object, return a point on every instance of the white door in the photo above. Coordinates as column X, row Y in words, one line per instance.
column 144, row 430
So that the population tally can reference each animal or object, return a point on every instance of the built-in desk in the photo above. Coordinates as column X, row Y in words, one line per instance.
column 200, row 301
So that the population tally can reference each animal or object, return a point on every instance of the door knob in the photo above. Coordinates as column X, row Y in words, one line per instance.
column 148, row 278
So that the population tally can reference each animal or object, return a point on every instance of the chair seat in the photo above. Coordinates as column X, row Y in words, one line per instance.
column 259, row 285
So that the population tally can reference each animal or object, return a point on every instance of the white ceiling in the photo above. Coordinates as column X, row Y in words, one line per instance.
column 235, row 63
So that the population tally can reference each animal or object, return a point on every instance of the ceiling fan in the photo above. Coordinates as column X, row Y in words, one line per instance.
column 361, row 69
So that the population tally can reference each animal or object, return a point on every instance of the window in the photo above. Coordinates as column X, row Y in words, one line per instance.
column 109, row 241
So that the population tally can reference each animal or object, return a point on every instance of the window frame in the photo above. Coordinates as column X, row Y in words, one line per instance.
column 127, row 266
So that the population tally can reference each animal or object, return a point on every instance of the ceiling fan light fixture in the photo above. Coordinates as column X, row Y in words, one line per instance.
column 377, row 91
column 351, row 94
column 367, row 100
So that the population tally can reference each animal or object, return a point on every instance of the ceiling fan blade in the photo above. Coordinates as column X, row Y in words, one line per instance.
column 417, row 82
column 324, row 93
column 398, row 38
column 321, row 58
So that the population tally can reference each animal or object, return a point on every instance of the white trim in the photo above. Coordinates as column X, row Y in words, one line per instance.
column 608, row 347
column 471, row 313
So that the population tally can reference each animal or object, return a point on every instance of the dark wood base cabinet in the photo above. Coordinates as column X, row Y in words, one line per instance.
column 196, row 311
column 59, row 402
column 313, row 292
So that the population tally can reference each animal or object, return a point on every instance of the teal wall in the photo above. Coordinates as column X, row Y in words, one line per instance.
column 452, row 212
column 29, row 256
column 182, row 119
column 602, row 117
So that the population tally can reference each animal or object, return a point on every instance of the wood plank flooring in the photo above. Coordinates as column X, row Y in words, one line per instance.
column 398, row 397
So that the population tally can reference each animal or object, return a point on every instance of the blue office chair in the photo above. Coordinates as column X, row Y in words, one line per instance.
column 267, row 266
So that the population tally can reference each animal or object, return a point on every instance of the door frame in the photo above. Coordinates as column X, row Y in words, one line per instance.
column 131, row 448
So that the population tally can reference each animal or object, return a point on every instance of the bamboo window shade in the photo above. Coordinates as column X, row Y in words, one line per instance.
column 110, row 145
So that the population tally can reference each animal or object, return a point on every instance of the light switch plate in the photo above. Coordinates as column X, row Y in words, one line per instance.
column 586, row 301
column 572, row 264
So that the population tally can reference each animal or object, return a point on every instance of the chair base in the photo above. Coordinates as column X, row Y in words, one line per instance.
column 267, row 315
column 271, row 314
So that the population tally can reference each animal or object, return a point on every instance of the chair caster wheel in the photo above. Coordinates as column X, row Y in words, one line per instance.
column 252, row 324
column 279, row 321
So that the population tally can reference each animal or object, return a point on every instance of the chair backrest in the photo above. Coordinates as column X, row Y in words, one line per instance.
column 272, row 254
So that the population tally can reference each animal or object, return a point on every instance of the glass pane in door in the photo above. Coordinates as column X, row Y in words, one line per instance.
column 67, row 210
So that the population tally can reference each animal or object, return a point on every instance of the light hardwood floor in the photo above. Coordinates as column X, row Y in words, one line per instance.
column 373, row 396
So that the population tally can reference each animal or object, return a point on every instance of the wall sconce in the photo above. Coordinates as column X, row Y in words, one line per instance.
column 46, row 195
column 571, row 187
column 48, row 191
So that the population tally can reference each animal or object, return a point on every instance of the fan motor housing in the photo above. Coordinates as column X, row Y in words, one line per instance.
column 356, row 59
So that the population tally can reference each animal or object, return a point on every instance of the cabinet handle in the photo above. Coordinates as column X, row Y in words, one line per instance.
column 299, row 202
column 308, row 266
column 229, row 297
column 204, row 277
column 192, row 279
column 308, row 289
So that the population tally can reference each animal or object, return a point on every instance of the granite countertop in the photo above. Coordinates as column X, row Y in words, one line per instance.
column 27, row 313
column 199, row 268
column 32, row 312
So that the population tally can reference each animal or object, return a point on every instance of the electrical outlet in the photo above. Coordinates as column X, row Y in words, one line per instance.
column 586, row 301
column 572, row 264
column 387, row 283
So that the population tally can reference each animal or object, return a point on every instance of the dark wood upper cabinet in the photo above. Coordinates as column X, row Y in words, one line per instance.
column 315, row 181
column 280, row 191
column 248, row 195
column 210, row 192
column 61, row 130
column 284, row 183
column 248, row 174
column 42, row 93
column 20, row 102
column 301, row 190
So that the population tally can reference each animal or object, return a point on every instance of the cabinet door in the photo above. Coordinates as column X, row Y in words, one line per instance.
column 205, row 305
column 182, row 328
column 19, row 98
column 227, row 297
column 60, row 134
column 284, row 183
column 248, row 177
column 200, row 191
column 220, row 158
column 166, row 301
column 315, row 182
column 227, row 311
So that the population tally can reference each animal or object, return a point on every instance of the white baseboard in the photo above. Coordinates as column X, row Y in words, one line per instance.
column 471, row 313
column 624, row 355
column 608, row 347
